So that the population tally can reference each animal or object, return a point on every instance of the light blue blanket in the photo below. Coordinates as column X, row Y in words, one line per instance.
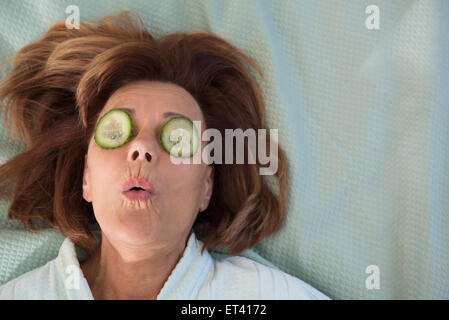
column 362, row 113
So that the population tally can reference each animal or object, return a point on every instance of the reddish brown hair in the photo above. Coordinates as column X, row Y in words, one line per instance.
column 57, row 88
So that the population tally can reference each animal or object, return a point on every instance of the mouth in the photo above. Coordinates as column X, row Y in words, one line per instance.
column 137, row 194
column 138, row 189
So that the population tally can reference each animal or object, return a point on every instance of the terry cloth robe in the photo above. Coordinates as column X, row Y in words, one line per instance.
column 195, row 276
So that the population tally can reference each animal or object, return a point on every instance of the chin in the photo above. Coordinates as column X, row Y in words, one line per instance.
column 134, row 229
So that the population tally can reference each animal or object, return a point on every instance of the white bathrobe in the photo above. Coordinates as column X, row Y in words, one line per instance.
column 195, row 276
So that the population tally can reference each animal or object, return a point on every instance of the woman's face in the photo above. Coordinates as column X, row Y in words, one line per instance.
column 181, row 190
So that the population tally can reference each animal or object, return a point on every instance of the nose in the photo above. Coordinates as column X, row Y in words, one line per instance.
column 140, row 154
column 143, row 149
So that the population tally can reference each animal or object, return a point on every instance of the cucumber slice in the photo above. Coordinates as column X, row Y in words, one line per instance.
column 179, row 137
column 114, row 129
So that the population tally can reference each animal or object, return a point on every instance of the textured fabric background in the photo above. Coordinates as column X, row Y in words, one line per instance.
column 363, row 115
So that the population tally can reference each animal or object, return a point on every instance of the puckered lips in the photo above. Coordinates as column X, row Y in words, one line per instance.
column 138, row 189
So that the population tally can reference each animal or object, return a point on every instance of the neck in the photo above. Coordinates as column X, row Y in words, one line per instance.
column 116, row 273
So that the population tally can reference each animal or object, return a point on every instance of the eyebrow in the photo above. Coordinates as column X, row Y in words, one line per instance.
column 168, row 114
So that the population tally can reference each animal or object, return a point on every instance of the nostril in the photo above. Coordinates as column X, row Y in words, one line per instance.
column 136, row 155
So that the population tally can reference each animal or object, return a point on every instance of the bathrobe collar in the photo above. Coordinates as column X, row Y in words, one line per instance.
column 184, row 282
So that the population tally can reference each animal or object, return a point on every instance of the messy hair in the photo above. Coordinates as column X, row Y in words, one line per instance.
column 58, row 86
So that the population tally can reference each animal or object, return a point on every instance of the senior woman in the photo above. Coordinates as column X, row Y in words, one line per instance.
column 93, row 105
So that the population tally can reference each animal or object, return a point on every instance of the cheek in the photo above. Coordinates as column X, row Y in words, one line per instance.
column 103, row 172
column 104, row 176
column 183, row 184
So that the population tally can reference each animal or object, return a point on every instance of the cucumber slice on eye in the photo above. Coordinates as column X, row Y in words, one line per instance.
column 179, row 137
column 114, row 129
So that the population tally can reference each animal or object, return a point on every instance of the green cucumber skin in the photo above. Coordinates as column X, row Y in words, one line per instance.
column 165, row 134
column 185, row 122
column 99, row 143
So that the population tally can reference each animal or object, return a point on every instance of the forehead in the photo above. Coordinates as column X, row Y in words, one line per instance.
column 154, row 96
